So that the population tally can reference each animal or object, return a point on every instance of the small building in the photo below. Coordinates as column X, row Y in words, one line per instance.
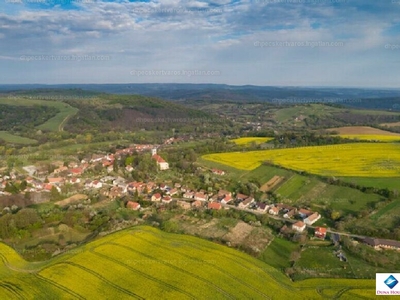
column 290, row 214
column 214, row 205
column 312, row 219
column 161, row 163
column 241, row 197
column 166, row 199
column 320, row 232
column 200, row 196
column 223, row 193
column 133, row 205
column 218, row 172
column 382, row 243
column 304, row 213
column 246, row 202
column 188, row 195
column 299, row 226
column 156, row 197
column 262, row 207
column 173, row 192
column 226, row 199
column 273, row 211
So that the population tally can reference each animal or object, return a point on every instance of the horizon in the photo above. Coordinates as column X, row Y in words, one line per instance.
column 206, row 83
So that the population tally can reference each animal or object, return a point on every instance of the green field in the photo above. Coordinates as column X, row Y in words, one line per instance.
column 145, row 263
column 322, row 262
column 54, row 124
column 390, row 183
column 15, row 139
column 299, row 189
column 277, row 254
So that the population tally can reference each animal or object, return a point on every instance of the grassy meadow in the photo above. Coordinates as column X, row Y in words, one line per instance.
column 145, row 263
column 16, row 139
column 54, row 124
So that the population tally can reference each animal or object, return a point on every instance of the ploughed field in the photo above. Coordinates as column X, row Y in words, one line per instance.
column 145, row 263
column 354, row 159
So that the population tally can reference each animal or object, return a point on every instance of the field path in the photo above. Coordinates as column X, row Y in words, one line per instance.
column 61, row 126
column 15, row 269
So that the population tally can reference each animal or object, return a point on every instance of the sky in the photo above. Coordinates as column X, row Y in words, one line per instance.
column 346, row 43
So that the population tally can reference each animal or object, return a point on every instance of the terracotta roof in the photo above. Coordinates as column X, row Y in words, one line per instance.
column 298, row 224
column 132, row 204
column 320, row 229
column 214, row 205
column 313, row 216
column 158, row 158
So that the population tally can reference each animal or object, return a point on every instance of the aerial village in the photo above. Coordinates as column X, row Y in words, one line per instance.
column 39, row 181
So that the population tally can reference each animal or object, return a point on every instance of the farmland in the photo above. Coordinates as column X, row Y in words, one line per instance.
column 366, row 133
column 15, row 139
column 356, row 159
column 248, row 140
column 138, row 263
column 55, row 123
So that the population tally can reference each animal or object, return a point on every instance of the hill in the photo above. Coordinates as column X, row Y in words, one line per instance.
column 245, row 93
column 145, row 263
column 78, row 111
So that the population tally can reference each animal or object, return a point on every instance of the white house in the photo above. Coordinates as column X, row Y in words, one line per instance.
column 299, row 226
column 161, row 163
column 312, row 219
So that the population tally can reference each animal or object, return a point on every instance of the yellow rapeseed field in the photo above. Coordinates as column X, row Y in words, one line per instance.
column 355, row 159
column 247, row 140
column 146, row 263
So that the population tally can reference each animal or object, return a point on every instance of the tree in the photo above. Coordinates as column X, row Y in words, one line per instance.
column 335, row 215
column 54, row 194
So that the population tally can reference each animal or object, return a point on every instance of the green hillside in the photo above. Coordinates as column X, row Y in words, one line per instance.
column 145, row 263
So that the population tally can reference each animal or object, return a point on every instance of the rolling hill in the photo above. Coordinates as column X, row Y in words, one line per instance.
column 145, row 263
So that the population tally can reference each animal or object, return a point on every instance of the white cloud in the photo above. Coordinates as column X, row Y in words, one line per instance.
column 172, row 34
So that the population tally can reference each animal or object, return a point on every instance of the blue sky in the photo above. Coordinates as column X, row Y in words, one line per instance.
column 260, row 42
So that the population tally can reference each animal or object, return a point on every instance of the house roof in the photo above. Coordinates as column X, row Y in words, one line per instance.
column 55, row 179
column 248, row 200
column 299, row 224
column 241, row 196
column 382, row 242
column 262, row 205
column 320, row 229
column 305, row 212
column 313, row 217
column 158, row 158
column 291, row 213
column 132, row 204
column 157, row 195
column 214, row 205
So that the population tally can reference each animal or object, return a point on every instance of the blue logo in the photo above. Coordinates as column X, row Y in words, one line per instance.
column 391, row 281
